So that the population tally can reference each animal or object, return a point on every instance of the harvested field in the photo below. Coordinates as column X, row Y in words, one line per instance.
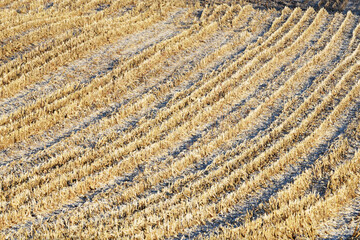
column 161, row 120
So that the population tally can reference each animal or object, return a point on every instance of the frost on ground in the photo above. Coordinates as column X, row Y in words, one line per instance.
column 219, row 121
column 343, row 224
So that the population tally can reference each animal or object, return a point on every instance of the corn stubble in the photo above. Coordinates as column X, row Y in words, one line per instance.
column 241, row 123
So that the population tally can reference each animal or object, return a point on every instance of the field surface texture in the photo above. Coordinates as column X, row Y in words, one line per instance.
column 165, row 120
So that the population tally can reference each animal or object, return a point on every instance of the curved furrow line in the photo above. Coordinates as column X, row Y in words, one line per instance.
column 310, row 209
column 166, row 119
column 234, row 148
column 152, row 50
column 28, row 111
column 278, row 129
column 15, row 20
column 312, row 175
column 139, row 101
column 287, row 109
column 134, row 44
column 255, row 48
column 131, row 105
column 35, row 22
column 171, row 190
column 198, row 35
column 235, row 44
column 24, row 62
column 206, row 139
column 226, row 73
column 261, row 205
column 79, row 46
column 224, row 204
column 13, row 116
column 305, row 55
column 19, row 45
column 24, row 20
column 98, row 34
column 216, row 54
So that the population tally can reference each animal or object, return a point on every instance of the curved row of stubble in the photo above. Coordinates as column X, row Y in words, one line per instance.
column 265, row 118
